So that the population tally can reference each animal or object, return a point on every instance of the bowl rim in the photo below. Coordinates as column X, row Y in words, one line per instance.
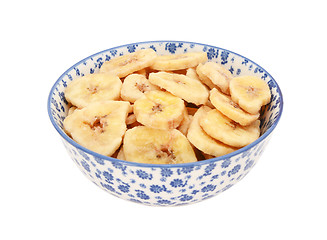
column 147, row 165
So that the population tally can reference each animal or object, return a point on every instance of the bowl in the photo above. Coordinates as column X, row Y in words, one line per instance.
column 173, row 184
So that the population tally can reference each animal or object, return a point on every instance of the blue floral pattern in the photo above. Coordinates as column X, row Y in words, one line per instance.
column 168, row 185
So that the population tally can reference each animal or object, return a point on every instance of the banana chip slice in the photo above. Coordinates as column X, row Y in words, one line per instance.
column 92, row 88
column 250, row 92
column 129, row 63
column 203, row 78
column 201, row 140
column 100, row 126
column 134, row 87
column 191, row 72
column 229, row 108
column 228, row 131
column 179, row 61
column 121, row 154
column 189, row 89
column 71, row 110
column 155, row 146
column 214, row 73
column 185, row 124
column 159, row 109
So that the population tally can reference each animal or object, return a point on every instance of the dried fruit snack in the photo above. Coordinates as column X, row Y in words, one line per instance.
column 179, row 61
column 134, row 87
column 222, row 128
column 216, row 74
column 181, row 86
column 201, row 140
column 171, row 109
column 159, row 109
column 250, row 92
column 99, row 126
column 93, row 88
column 229, row 108
column 129, row 63
column 149, row 145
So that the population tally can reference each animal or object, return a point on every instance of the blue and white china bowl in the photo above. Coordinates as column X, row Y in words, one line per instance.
column 166, row 185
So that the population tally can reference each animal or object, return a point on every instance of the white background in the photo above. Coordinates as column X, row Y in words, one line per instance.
column 45, row 196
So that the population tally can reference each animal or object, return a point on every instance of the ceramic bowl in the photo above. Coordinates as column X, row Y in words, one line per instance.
column 166, row 185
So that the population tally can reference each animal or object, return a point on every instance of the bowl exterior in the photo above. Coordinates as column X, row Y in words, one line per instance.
column 166, row 185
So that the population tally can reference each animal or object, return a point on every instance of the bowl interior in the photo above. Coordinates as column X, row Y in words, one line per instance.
column 235, row 63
